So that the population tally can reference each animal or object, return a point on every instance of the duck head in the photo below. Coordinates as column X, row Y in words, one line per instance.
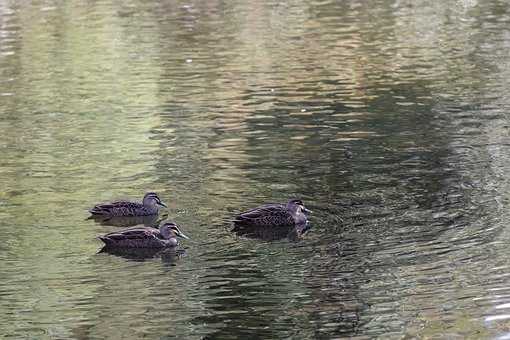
column 152, row 199
column 297, row 206
column 171, row 230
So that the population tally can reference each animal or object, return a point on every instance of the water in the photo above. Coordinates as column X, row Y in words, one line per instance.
column 388, row 119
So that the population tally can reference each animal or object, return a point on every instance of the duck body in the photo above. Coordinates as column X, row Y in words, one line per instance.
column 274, row 215
column 144, row 237
column 149, row 206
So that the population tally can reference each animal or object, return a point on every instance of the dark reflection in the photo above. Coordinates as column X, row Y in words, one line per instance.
column 251, row 296
column 129, row 221
column 292, row 233
column 241, row 301
column 168, row 255
column 337, row 281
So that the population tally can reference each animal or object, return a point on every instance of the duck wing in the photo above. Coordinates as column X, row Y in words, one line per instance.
column 264, row 209
column 134, row 233
column 268, row 215
column 133, row 237
column 121, row 208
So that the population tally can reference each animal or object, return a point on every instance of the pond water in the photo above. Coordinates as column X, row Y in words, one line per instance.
column 389, row 119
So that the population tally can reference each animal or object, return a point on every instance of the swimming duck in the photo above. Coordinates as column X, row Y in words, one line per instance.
column 149, row 206
column 274, row 215
column 144, row 237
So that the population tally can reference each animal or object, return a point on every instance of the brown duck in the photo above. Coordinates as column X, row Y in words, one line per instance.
column 149, row 206
column 274, row 215
column 144, row 237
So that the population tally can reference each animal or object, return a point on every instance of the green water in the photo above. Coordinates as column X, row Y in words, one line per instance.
column 389, row 119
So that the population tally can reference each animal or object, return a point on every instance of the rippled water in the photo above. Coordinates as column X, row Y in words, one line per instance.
column 388, row 118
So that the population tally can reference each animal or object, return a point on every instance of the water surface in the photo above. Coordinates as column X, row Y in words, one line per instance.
column 388, row 119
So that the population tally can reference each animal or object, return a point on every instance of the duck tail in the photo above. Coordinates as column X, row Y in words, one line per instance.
column 107, row 241
column 97, row 210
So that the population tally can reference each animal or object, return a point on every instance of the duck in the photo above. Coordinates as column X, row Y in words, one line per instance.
column 292, row 213
column 145, row 237
column 149, row 206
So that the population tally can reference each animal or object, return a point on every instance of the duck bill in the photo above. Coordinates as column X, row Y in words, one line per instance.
column 307, row 211
column 162, row 204
column 182, row 235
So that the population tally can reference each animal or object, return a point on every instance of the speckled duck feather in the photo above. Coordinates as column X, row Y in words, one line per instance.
column 145, row 237
column 123, row 208
column 270, row 215
column 149, row 206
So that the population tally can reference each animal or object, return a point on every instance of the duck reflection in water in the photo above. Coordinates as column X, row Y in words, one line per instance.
column 128, row 221
column 292, row 233
column 169, row 255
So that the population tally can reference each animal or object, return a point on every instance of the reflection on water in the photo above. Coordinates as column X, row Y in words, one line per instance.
column 292, row 233
column 128, row 221
column 167, row 255
column 388, row 117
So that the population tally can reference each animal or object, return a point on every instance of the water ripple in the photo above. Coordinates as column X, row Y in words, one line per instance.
column 388, row 120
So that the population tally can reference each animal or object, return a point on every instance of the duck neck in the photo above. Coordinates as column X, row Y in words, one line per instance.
column 293, row 208
column 172, row 242
column 297, row 213
column 169, row 236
